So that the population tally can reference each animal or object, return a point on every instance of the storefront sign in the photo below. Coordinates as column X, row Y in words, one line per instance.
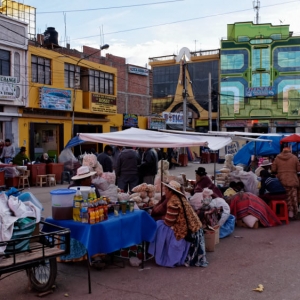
column 156, row 123
column 235, row 124
column 173, row 118
column 201, row 123
column 138, row 71
column 285, row 123
column 232, row 148
column 259, row 91
column 56, row 99
column 8, row 87
column 130, row 120
column 104, row 104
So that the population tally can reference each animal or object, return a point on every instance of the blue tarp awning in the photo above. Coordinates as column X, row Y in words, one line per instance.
column 243, row 156
column 75, row 141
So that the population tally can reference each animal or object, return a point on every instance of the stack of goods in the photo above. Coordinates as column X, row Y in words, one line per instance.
column 162, row 172
column 222, row 178
column 144, row 195
column 164, row 175
column 106, row 185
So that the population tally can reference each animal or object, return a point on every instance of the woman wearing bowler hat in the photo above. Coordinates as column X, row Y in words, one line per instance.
column 203, row 181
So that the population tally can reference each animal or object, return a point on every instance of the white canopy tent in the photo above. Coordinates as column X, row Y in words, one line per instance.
column 135, row 137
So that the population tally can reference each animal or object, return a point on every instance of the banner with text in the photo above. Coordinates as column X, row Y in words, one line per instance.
column 104, row 104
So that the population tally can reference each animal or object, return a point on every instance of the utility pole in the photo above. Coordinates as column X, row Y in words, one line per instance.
column 256, row 6
column 184, row 65
column 106, row 46
column 209, row 102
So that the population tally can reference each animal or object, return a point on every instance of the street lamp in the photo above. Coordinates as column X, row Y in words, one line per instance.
column 105, row 46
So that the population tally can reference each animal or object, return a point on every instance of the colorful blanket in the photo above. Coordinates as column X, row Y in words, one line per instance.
column 244, row 204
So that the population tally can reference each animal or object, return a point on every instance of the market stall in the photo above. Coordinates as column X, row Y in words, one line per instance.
column 113, row 234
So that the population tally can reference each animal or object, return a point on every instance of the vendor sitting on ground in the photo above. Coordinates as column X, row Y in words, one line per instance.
column 21, row 158
column 203, row 181
column 232, row 190
column 270, row 187
column 170, row 248
column 265, row 165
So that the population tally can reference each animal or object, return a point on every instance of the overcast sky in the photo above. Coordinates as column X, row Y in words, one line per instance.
column 139, row 29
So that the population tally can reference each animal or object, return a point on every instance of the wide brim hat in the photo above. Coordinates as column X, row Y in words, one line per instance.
column 201, row 171
column 265, row 163
column 83, row 172
column 174, row 186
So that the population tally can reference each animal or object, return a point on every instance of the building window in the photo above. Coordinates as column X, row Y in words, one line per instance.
column 40, row 69
column 17, row 66
column 101, row 82
column 72, row 76
column 4, row 63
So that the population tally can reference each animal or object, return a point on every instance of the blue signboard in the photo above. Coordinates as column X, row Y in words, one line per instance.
column 130, row 120
column 56, row 99
column 259, row 91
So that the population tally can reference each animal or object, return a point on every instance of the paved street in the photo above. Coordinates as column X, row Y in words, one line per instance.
column 268, row 256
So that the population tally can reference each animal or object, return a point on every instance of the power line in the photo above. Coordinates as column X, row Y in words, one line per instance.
column 105, row 8
column 186, row 20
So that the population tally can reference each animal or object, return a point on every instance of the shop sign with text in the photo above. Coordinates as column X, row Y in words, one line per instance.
column 259, row 91
column 156, row 123
column 138, row 71
column 104, row 104
column 130, row 120
column 56, row 99
column 173, row 118
column 8, row 87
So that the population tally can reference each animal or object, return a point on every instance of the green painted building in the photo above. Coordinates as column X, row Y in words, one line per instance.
column 260, row 79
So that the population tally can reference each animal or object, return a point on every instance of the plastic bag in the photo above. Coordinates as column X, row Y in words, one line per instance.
column 228, row 227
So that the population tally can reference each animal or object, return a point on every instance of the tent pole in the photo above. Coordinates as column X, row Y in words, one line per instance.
column 161, row 177
column 215, row 162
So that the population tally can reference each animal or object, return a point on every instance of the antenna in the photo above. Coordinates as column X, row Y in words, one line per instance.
column 256, row 7
column 65, row 20
column 195, row 44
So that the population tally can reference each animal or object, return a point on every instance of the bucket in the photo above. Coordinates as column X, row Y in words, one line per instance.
column 62, row 197
column 62, row 204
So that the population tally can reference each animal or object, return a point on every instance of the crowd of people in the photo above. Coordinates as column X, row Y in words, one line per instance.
column 183, row 212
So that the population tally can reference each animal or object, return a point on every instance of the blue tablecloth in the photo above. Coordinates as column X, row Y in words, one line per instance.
column 113, row 234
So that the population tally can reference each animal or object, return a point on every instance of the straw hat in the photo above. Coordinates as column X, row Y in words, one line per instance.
column 174, row 186
column 265, row 163
column 83, row 172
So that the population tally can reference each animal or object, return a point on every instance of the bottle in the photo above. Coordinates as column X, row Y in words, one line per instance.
column 77, row 205
column 91, row 211
column 92, row 193
column 84, row 212
column 101, row 211
column 105, row 210
column 97, row 212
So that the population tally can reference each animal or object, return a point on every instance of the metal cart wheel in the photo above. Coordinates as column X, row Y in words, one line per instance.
column 43, row 275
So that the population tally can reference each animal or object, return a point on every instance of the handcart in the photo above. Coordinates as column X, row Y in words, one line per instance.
column 39, row 260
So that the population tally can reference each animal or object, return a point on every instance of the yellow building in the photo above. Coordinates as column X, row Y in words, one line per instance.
column 66, row 95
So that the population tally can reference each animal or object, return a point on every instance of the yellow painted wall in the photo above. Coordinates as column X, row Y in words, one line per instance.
column 57, row 75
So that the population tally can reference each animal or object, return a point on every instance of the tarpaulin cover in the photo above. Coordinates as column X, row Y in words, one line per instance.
column 243, row 156
column 75, row 141
column 135, row 137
